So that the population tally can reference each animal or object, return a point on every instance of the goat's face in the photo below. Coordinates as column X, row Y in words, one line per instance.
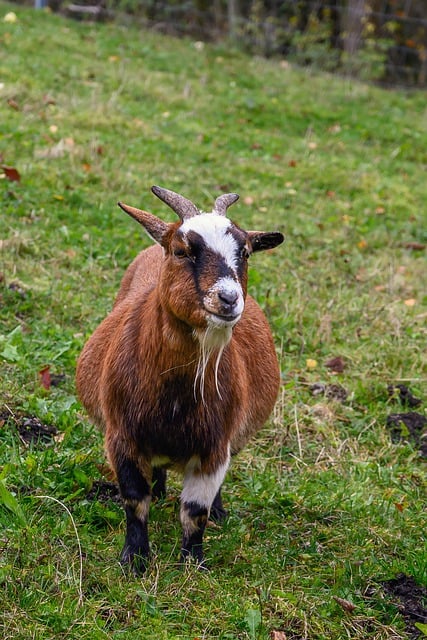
column 206, row 258
column 204, row 275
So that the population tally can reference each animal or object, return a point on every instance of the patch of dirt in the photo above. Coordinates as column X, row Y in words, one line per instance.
column 407, row 399
column 31, row 430
column 334, row 392
column 104, row 491
column 410, row 427
column 411, row 600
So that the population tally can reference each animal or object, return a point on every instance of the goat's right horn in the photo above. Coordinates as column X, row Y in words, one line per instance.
column 223, row 202
column 182, row 206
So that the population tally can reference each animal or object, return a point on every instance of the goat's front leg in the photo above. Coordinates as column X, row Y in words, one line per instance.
column 198, row 493
column 134, row 480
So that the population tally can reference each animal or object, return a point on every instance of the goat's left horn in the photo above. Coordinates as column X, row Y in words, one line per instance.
column 183, row 207
column 223, row 202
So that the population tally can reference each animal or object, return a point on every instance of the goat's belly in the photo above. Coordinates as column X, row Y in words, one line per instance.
column 174, row 445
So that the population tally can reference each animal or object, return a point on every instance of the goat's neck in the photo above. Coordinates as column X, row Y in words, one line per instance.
column 198, row 349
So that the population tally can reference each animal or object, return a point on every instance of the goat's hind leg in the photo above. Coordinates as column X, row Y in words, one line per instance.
column 218, row 513
column 159, row 483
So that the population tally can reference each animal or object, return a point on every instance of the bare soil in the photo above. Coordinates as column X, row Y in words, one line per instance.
column 411, row 600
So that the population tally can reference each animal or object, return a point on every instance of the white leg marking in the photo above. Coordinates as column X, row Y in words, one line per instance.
column 202, row 488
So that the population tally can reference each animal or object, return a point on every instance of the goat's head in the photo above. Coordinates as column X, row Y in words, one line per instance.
column 204, row 274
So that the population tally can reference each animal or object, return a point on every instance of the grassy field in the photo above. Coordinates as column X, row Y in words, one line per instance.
column 324, row 507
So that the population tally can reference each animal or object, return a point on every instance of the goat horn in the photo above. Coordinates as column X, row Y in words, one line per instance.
column 183, row 207
column 223, row 202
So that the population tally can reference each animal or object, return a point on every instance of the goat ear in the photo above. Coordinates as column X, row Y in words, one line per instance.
column 261, row 240
column 155, row 227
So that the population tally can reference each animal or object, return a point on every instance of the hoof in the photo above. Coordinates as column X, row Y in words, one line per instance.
column 218, row 514
column 133, row 561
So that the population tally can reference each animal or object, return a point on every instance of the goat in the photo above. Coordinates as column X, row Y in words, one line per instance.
column 183, row 370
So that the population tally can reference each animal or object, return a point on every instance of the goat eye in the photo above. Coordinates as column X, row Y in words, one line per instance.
column 180, row 253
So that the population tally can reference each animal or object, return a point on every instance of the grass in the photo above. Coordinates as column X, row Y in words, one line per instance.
column 322, row 505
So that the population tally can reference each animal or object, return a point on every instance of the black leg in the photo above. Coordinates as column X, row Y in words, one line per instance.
column 136, row 494
column 193, row 518
column 159, row 483
column 218, row 513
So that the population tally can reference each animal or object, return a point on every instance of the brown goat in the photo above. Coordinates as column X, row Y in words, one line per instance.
column 183, row 370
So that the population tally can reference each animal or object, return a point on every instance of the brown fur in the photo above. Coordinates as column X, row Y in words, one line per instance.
column 136, row 378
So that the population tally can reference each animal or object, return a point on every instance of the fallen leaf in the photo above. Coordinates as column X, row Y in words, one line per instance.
column 53, row 128
column 11, row 173
column 345, row 604
column 362, row 244
column 410, row 302
column 45, row 379
column 10, row 17
column 13, row 104
column 278, row 635
column 415, row 246
column 337, row 365
column 248, row 200
column 311, row 363
column 292, row 163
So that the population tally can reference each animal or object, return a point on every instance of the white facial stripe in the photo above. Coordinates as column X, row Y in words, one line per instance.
column 213, row 229
column 202, row 489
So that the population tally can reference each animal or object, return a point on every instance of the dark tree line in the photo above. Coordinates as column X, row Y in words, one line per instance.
column 386, row 39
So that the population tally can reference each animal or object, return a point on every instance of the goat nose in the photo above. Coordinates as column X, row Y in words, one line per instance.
column 228, row 298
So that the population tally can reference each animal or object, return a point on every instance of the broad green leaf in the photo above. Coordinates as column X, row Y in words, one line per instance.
column 10, row 502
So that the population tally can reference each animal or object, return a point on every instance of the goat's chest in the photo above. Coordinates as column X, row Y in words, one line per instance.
column 179, row 424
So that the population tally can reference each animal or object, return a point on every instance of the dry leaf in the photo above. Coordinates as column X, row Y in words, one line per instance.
column 310, row 363
column 248, row 200
column 337, row 365
column 410, row 302
column 415, row 246
column 11, row 173
column 45, row 380
column 10, row 17
column 278, row 635
column 345, row 604
column 13, row 104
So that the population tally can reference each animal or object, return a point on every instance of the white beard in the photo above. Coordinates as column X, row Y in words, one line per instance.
column 212, row 340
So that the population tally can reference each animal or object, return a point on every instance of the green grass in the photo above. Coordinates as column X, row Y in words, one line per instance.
column 322, row 504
